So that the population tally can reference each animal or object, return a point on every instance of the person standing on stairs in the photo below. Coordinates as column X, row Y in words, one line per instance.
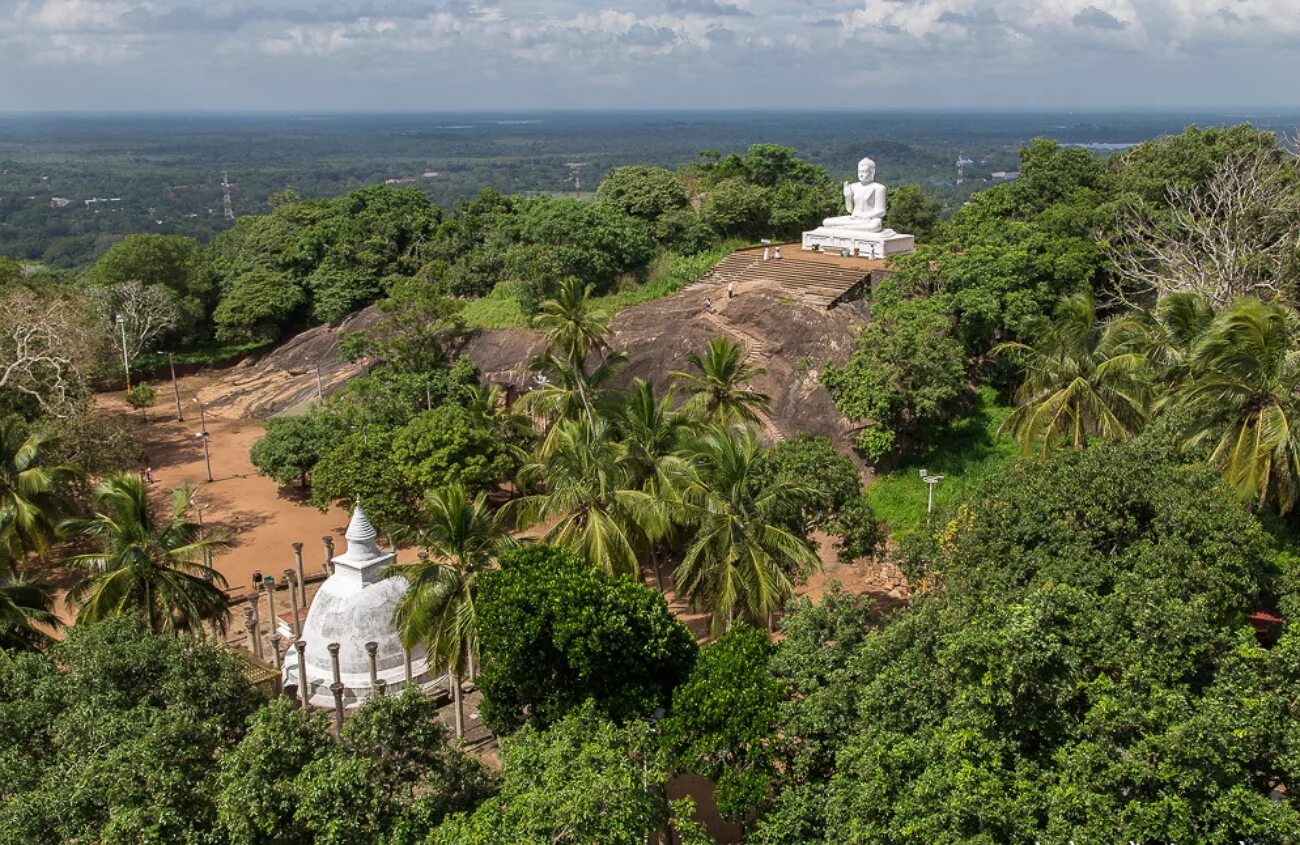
column 777, row 254
column 766, row 254
column 731, row 288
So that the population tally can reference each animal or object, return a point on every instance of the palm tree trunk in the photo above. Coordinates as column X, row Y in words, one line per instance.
column 654, row 561
column 458, row 697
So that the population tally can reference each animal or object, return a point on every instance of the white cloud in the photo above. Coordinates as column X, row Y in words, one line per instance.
column 913, row 46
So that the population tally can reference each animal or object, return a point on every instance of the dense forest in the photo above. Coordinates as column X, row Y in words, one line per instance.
column 1096, row 648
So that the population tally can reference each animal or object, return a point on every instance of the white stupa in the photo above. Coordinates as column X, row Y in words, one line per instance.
column 354, row 607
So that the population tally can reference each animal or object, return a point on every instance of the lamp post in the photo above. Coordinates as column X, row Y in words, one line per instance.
column 176, row 389
column 203, row 435
column 930, row 481
column 126, row 362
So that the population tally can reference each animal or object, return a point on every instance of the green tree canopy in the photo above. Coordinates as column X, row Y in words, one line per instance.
column 554, row 632
column 582, row 781
column 114, row 736
column 292, row 446
column 1085, row 672
column 905, row 377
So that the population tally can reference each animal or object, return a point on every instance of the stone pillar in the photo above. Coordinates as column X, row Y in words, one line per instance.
column 302, row 577
column 293, row 602
column 329, row 554
column 275, row 647
column 337, row 688
column 334, row 659
column 372, row 648
column 250, row 625
column 304, row 691
column 272, row 622
column 381, row 687
column 257, row 626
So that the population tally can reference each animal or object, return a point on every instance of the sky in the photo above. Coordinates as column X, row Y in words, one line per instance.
column 386, row 55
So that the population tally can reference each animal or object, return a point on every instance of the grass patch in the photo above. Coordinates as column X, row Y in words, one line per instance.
column 206, row 355
column 965, row 453
column 498, row 310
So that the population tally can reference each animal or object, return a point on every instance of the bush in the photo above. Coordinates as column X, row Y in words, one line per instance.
column 142, row 396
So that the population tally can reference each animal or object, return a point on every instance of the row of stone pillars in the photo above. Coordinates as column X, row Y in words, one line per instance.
column 338, row 688
column 296, row 581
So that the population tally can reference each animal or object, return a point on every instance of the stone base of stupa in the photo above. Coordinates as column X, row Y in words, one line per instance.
column 859, row 243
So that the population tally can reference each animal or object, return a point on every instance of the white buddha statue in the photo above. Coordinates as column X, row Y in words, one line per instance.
column 864, row 201
column 861, row 232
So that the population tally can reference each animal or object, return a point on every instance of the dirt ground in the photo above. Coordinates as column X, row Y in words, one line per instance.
column 264, row 519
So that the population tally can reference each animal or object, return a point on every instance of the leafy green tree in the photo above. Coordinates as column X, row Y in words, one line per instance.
column 739, row 564
column 589, row 495
column 257, row 305
column 1082, row 674
column 142, row 396
column 11, row 272
column 1241, row 395
column 825, row 481
column 1077, row 384
column 722, row 724
column 582, row 781
column 592, row 242
column 114, row 736
column 394, row 777
column 388, row 397
column 639, row 191
column 905, row 378
column 416, row 331
column 913, row 211
column 461, row 538
column 33, row 492
column 146, row 567
column 292, row 446
column 736, row 207
column 177, row 263
column 362, row 467
column 450, row 445
column 554, row 632
column 720, row 391
column 255, row 792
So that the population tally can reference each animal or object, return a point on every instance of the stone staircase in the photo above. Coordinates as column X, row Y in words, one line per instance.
column 817, row 279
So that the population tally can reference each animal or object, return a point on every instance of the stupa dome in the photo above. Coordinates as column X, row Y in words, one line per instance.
column 354, row 607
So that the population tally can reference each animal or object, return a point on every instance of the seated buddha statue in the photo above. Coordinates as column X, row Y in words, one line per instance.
column 864, row 201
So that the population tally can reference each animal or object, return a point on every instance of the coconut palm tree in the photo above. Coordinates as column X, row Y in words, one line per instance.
column 154, row 568
column 1163, row 335
column 719, row 388
column 461, row 538
column 32, row 492
column 26, row 612
column 1241, row 399
column 653, row 434
column 572, row 327
column 740, row 563
column 565, row 393
column 1078, row 384
column 587, row 484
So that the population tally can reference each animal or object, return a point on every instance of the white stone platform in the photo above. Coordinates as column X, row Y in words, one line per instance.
column 863, row 244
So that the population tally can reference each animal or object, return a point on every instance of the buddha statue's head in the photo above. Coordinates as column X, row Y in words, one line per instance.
column 866, row 171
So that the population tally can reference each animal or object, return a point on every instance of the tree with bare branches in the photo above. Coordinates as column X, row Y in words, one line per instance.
column 49, row 346
column 1234, row 235
column 148, row 312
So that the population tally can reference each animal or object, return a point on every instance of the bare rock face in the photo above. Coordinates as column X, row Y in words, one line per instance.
column 792, row 340
column 284, row 379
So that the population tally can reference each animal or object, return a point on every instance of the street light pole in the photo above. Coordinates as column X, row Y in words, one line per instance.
column 176, row 390
column 126, row 362
column 930, row 482
column 203, row 435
